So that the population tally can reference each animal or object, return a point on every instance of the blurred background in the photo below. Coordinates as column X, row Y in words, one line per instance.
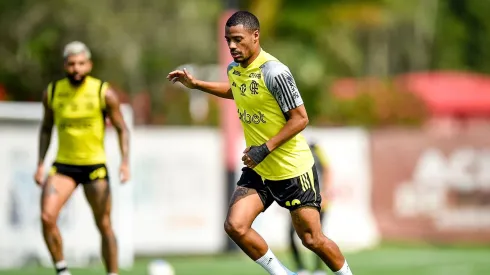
column 398, row 96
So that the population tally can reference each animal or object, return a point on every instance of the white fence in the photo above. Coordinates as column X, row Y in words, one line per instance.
column 176, row 201
column 20, row 227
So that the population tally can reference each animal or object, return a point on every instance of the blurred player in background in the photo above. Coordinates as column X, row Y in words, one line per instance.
column 321, row 162
column 279, row 165
column 78, row 105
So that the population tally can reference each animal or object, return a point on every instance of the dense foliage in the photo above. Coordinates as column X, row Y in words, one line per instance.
column 135, row 43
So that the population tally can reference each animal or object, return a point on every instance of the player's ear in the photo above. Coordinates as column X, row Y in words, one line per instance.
column 90, row 64
column 256, row 36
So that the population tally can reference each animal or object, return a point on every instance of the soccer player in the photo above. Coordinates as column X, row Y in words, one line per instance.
column 78, row 105
column 321, row 163
column 278, row 163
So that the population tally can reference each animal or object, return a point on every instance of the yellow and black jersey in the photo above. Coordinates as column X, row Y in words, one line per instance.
column 79, row 116
column 264, row 92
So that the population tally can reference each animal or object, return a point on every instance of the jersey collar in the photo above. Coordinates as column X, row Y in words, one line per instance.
column 254, row 63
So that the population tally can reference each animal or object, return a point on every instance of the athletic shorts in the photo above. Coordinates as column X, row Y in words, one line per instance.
column 81, row 173
column 290, row 193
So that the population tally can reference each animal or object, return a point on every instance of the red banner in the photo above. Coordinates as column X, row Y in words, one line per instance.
column 427, row 187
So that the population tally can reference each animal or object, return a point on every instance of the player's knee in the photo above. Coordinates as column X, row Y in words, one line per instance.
column 104, row 224
column 48, row 219
column 312, row 241
column 235, row 228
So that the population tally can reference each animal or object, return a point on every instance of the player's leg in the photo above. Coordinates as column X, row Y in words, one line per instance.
column 318, row 261
column 248, row 201
column 305, row 214
column 245, row 206
column 98, row 194
column 302, row 197
column 56, row 192
column 306, row 221
column 294, row 248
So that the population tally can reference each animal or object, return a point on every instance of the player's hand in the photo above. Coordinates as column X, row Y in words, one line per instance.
column 246, row 159
column 184, row 77
column 39, row 176
column 124, row 172
column 254, row 155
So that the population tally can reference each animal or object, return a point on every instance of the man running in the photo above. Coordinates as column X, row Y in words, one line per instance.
column 278, row 163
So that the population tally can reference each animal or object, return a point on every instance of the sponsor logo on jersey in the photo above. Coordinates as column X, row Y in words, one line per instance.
column 248, row 118
column 75, row 124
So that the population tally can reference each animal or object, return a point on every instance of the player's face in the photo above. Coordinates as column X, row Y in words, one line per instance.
column 241, row 42
column 77, row 67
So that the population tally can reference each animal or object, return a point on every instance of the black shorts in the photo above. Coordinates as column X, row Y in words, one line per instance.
column 290, row 193
column 81, row 173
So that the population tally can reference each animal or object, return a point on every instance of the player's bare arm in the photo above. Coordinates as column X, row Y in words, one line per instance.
column 114, row 111
column 219, row 89
column 44, row 138
column 298, row 120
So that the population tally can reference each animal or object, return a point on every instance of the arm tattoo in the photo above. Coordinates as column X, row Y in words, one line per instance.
column 50, row 190
column 240, row 192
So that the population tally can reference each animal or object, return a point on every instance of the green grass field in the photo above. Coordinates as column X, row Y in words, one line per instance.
column 389, row 260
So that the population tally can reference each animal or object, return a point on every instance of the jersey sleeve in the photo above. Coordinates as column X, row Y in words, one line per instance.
column 280, row 82
column 230, row 66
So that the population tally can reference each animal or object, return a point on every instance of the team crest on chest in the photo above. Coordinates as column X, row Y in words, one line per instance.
column 254, row 87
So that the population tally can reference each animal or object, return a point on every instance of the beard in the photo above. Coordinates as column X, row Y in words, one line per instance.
column 74, row 81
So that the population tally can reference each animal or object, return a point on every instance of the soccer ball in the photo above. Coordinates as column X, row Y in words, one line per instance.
column 160, row 267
